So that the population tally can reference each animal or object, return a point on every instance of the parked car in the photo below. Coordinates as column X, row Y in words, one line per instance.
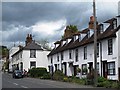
column 17, row 74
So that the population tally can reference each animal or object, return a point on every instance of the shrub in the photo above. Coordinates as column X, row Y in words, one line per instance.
column 37, row 72
column 107, row 84
column 119, row 84
column 46, row 76
column 65, row 79
column 114, row 85
column 58, row 75
column 101, row 79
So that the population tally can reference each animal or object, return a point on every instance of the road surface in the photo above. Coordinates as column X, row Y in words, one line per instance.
column 9, row 82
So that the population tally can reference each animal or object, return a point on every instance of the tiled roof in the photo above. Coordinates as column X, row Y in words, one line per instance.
column 109, row 32
column 32, row 45
column 110, row 20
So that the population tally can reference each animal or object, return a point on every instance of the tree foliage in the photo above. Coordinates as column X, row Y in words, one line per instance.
column 70, row 30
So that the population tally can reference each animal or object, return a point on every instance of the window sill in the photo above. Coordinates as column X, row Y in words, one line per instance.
column 111, row 74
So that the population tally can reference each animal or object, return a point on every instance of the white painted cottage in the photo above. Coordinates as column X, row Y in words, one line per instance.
column 78, row 51
column 13, row 50
column 32, row 55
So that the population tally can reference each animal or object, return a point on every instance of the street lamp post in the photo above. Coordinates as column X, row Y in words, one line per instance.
column 95, row 45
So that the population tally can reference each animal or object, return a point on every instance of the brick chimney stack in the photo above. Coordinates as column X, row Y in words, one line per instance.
column 91, row 23
column 28, row 39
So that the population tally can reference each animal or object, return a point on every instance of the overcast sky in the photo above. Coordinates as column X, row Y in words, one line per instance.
column 47, row 20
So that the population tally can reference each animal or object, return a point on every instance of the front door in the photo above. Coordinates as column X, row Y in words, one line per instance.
column 55, row 67
column 65, row 68
column 75, row 71
column 105, row 69
column 90, row 67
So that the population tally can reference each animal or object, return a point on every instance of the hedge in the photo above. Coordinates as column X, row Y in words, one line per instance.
column 37, row 72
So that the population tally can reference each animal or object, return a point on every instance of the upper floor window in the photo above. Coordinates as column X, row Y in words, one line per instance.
column 70, row 54
column 110, row 47
column 33, row 53
column 111, row 68
column 98, row 49
column 76, row 55
column 58, row 57
column 51, row 59
column 62, row 56
column 21, row 55
column 85, row 52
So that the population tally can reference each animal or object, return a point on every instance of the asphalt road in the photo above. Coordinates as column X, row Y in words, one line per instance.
column 9, row 82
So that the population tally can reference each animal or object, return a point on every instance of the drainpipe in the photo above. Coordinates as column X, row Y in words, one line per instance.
column 101, row 56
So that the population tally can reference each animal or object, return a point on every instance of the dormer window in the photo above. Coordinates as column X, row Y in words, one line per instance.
column 79, row 37
column 63, row 42
column 88, row 34
column 68, row 40
column 74, row 38
column 82, row 36
column 115, row 24
column 101, row 28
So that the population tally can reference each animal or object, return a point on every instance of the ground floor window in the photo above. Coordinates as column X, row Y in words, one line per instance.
column 58, row 67
column 84, row 69
column 32, row 64
column 98, row 68
column 111, row 68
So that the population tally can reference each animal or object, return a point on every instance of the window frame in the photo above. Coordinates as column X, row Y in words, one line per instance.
column 31, row 52
column 62, row 56
column 76, row 55
column 115, row 24
column 70, row 54
column 109, row 68
column 58, row 57
column 51, row 60
column 110, row 46
column 32, row 62
column 85, row 52
column 83, row 72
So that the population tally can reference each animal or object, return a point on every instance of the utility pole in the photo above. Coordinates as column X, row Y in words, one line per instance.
column 95, row 44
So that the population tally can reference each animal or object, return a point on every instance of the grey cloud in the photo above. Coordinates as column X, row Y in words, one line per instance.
column 26, row 14
column 29, row 13
column 19, row 35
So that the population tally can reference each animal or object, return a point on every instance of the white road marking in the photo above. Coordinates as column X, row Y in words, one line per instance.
column 15, row 83
column 24, row 87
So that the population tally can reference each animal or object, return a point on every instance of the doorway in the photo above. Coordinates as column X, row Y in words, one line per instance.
column 65, row 68
column 105, row 69
column 90, row 67
column 75, row 69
